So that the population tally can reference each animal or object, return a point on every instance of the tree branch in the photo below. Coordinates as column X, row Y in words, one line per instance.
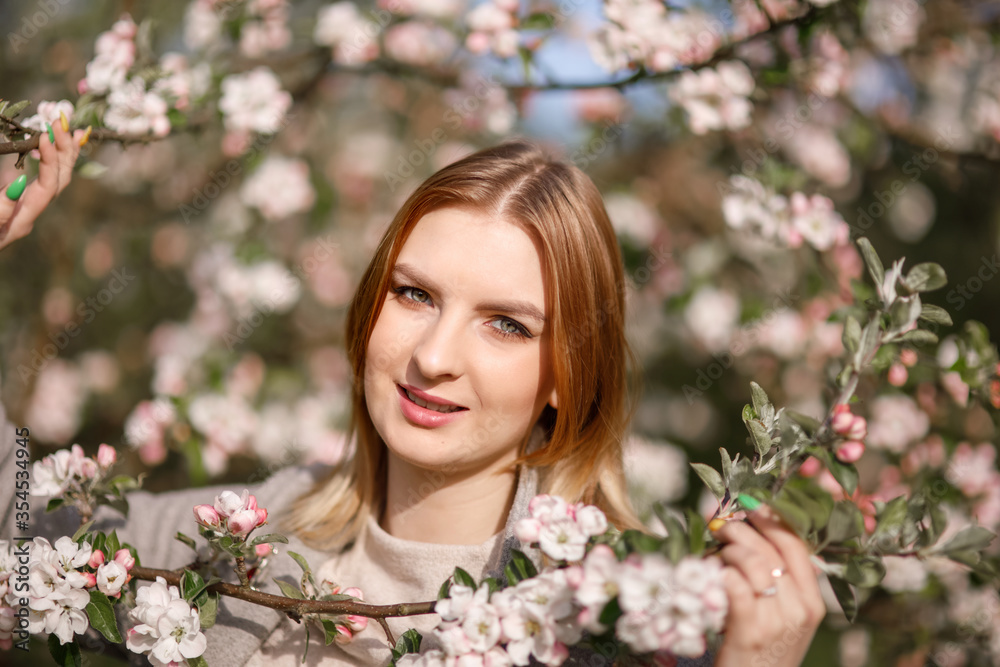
column 291, row 606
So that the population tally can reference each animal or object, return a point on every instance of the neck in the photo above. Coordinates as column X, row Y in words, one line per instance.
column 432, row 506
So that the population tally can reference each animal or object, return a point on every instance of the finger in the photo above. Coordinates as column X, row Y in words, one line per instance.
column 743, row 610
column 754, row 565
column 796, row 556
column 67, row 151
column 739, row 532
column 48, row 173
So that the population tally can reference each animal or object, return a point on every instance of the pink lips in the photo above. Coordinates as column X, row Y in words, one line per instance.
column 424, row 416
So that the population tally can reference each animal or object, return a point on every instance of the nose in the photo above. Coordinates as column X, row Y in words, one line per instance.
column 439, row 348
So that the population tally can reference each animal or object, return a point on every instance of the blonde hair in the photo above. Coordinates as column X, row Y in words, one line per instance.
column 581, row 459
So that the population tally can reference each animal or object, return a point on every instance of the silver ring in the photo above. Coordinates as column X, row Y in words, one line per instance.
column 770, row 591
column 777, row 572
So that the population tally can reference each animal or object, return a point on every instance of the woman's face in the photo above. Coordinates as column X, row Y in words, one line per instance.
column 463, row 322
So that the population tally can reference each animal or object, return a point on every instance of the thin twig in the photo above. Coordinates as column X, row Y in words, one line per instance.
column 388, row 632
column 291, row 606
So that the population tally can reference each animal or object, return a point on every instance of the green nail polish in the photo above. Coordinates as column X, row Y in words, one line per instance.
column 749, row 502
column 16, row 189
column 52, row 135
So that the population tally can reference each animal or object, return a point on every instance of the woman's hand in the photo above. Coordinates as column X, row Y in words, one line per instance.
column 19, row 205
column 774, row 600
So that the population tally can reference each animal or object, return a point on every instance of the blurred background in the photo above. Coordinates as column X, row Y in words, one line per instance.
column 184, row 298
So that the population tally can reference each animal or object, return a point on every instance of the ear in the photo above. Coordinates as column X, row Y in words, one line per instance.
column 554, row 400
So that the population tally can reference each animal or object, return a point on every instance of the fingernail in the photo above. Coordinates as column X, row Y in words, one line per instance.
column 86, row 135
column 52, row 135
column 16, row 189
column 716, row 524
column 64, row 121
column 748, row 502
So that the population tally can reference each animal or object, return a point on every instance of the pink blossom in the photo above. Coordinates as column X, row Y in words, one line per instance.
column 816, row 220
column 277, row 174
column 133, row 110
column 956, row 387
column 241, row 522
column 810, row 467
column 124, row 558
column 908, row 357
column 262, row 550
column 352, row 37
column 419, row 43
column 207, row 516
column 850, row 451
column 254, row 101
column 96, row 559
column 106, row 455
column 111, row 576
column 897, row 375
column 715, row 99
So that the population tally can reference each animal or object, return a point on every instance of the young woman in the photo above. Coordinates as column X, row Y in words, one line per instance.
column 487, row 343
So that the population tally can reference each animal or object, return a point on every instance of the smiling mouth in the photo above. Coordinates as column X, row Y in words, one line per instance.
column 444, row 409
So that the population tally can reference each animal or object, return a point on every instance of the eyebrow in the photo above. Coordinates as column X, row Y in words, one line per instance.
column 513, row 307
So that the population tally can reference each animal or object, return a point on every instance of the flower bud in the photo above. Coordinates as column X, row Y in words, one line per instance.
column 242, row 522
column 96, row 559
column 858, row 429
column 261, row 516
column 262, row 550
column 207, row 516
column 897, row 375
column 850, row 451
column 124, row 558
column 106, row 455
column 842, row 419
column 91, row 579
column 228, row 502
column 251, row 502
column 354, row 592
column 810, row 467
column 908, row 357
column 344, row 635
column 357, row 623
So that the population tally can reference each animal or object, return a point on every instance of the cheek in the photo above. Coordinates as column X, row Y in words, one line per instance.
column 390, row 341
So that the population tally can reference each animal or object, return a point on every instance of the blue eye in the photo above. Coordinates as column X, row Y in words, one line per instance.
column 514, row 330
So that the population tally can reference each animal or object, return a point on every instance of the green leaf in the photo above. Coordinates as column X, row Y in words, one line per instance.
column 926, row 277
column 935, row 314
column 973, row 538
column 518, row 568
column 81, row 531
column 811, row 424
column 197, row 662
column 851, row 337
column 712, row 479
column 727, row 464
column 890, row 521
column 329, row 630
column 270, row 538
column 181, row 537
column 65, row 655
column 918, row 337
column 845, row 474
column 696, row 532
column 54, row 504
column 870, row 337
column 300, row 560
column 207, row 610
column 290, row 590
column 846, row 522
column 759, row 398
column 865, row 571
column 465, row 579
column 793, row 515
column 12, row 110
column 846, row 596
column 102, row 616
column 112, row 543
column 675, row 545
column 872, row 261
column 761, row 438
column 192, row 584
column 748, row 414
column 446, row 586
column 611, row 612
column 538, row 21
